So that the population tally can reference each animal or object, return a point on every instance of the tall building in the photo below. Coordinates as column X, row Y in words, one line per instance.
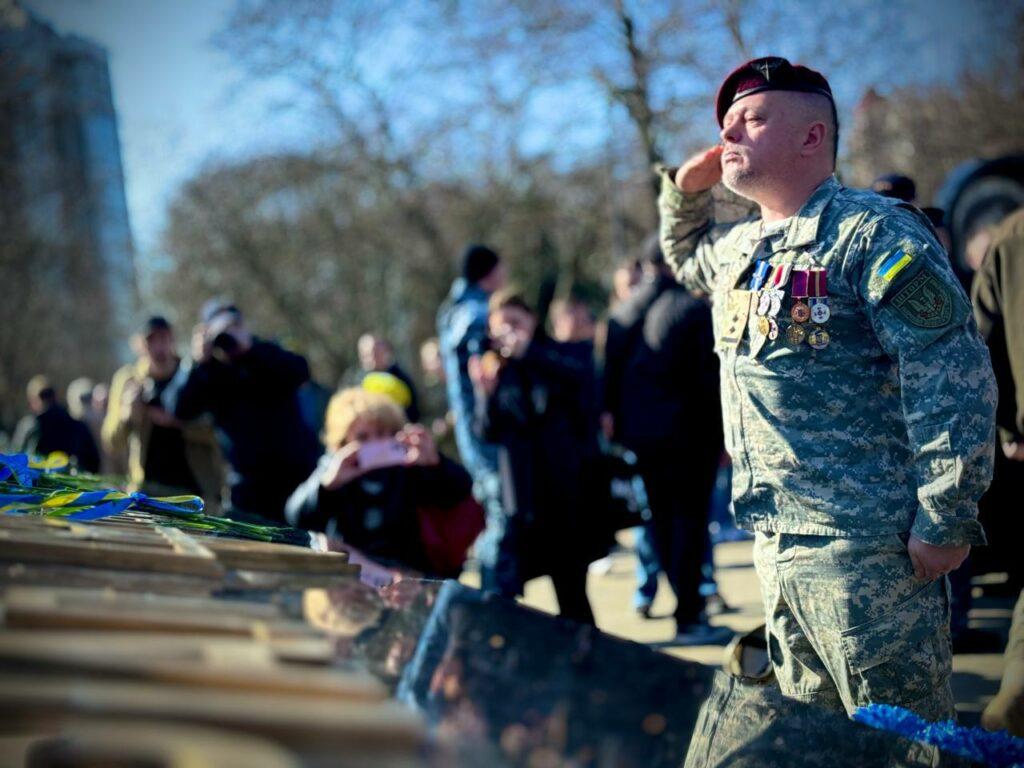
column 62, row 203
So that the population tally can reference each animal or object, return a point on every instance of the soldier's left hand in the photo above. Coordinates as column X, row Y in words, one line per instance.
column 931, row 562
column 1014, row 450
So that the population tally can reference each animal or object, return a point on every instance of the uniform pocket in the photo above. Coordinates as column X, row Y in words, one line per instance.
column 903, row 655
column 789, row 361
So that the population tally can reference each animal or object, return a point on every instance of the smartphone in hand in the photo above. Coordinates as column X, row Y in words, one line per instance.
column 381, row 453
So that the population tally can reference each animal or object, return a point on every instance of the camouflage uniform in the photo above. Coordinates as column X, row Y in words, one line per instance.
column 840, row 453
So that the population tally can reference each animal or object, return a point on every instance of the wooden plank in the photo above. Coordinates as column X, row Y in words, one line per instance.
column 279, row 557
column 12, row 573
column 184, row 544
column 141, row 646
column 291, row 718
column 28, row 615
column 218, row 543
column 69, row 597
column 233, row 665
column 264, row 580
column 35, row 548
column 130, row 742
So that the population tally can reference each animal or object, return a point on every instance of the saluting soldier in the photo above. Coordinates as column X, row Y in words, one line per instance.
column 858, row 398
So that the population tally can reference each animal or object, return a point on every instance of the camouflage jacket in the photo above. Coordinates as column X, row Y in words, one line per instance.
column 887, row 429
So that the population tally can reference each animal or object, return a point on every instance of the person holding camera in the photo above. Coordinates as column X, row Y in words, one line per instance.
column 163, row 456
column 250, row 388
column 378, row 474
column 532, row 401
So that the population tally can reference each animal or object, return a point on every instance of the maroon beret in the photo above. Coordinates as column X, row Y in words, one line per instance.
column 771, row 73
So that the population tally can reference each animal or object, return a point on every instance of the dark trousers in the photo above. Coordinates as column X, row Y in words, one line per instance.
column 570, row 582
column 679, row 491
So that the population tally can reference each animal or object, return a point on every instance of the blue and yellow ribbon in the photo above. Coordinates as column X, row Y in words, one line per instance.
column 15, row 466
column 94, row 505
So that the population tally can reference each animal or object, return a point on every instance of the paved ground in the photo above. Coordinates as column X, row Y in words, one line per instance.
column 976, row 677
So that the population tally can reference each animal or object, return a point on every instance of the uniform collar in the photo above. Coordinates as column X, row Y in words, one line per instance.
column 802, row 229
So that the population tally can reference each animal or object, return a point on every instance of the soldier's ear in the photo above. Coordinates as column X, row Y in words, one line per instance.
column 814, row 138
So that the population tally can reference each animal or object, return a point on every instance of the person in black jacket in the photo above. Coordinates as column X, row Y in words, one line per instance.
column 533, row 403
column 377, row 473
column 661, row 400
column 51, row 428
column 250, row 386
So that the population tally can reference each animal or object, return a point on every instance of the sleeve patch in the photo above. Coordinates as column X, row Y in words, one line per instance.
column 893, row 264
column 924, row 301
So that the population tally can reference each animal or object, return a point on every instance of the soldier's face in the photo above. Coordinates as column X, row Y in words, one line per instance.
column 761, row 143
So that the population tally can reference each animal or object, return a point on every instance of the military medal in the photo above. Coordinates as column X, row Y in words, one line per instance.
column 818, row 338
column 773, row 329
column 757, row 282
column 764, row 325
column 800, row 312
column 818, row 292
column 820, row 313
column 780, row 276
column 795, row 335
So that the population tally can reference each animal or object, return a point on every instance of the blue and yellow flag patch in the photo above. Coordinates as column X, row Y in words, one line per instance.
column 894, row 263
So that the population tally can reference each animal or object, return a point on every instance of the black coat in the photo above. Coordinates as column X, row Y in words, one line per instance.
column 255, row 406
column 542, row 417
column 57, row 430
column 377, row 513
column 660, row 377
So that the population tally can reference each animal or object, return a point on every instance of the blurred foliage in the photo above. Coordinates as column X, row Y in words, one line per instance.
column 313, row 258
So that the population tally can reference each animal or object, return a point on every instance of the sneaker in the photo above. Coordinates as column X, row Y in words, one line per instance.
column 702, row 634
column 715, row 605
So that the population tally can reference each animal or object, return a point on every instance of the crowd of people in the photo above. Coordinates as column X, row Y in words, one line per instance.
column 507, row 421
column 506, row 428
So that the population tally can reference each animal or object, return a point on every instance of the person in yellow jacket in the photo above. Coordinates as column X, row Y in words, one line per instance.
column 163, row 456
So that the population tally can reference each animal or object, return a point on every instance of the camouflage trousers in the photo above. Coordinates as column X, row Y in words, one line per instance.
column 849, row 624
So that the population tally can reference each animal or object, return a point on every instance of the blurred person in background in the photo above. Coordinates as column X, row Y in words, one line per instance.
column 897, row 186
column 903, row 188
column 572, row 322
column 462, row 335
column 998, row 297
column 82, row 407
column 625, row 279
column 49, row 428
column 80, row 404
column 377, row 355
column 378, row 471
column 435, row 396
column 531, row 402
column 250, row 387
column 573, row 328
column 660, row 400
column 164, row 456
